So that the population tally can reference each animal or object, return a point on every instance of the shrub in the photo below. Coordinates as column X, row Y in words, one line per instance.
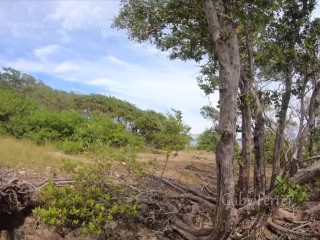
column 293, row 193
column 69, row 146
column 89, row 204
column 269, row 139
column 208, row 140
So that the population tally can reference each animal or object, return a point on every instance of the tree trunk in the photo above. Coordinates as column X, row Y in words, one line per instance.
column 246, row 88
column 311, row 142
column 285, row 99
column 305, row 130
column 258, row 138
column 311, row 120
column 301, row 120
column 227, row 51
column 244, row 164
column 259, row 166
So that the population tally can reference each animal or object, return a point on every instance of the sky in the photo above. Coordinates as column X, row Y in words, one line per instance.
column 71, row 46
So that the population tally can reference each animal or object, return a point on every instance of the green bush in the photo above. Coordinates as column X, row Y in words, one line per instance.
column 290, row 192
column 208, row 140
column 74, row 147
column 90, row 204
column 269, row 139
column 99, row 129
column 105, row 155
column 174, row 134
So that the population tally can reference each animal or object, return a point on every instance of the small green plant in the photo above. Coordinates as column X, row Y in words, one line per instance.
column 69, row 165
column 293, row 193
column 90, row 204
column 105, row 155
column 72, row 146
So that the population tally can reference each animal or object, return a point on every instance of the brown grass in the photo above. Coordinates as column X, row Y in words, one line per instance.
column 186, row 167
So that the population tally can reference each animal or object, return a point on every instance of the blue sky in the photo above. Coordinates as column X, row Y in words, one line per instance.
column 71, row 46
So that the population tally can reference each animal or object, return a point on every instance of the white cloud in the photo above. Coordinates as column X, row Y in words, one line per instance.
column 72, row 15
column 43, row 52
column 117, row 61
column 80, row 47
column 146, row 48
column 66, row 67
column 171, row 85
column 101, row 82
column 24, row 65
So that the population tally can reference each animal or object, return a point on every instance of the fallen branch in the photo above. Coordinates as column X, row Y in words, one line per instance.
column 56, row 182
column 305, row 175
column 184, row 189
column 197, row 199
column 289, row 231
column 311, row 211
column 310, row 159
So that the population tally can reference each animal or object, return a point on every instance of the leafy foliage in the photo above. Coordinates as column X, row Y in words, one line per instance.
column 173, row 136
column 208, row 140
column 269, row 145
column 90, row 204
column 293, row 193
column 81, row 123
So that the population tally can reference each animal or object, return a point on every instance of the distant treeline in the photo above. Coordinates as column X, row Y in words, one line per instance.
column 31, row 109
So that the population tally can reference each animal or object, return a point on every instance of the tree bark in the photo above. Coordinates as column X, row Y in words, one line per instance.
column 311, row 142
column 258, row 138
column 245, row 89
column 244, row 164
column 301, row 120
column 227, row 51
column 285, row 99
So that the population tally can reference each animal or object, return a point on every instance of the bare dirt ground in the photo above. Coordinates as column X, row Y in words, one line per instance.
column 189, row 166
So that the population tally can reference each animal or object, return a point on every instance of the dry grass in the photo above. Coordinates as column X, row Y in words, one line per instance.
column 22, row 153
column 186, row 167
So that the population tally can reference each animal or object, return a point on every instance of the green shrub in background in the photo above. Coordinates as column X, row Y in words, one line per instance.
column 72, row 147
column 99, row 130
column 290, row 192
column 32, row 110
column 208, row 140
column 105, row 155
column 90, row 204
column 269, row 139
column 50, row 125
column 14, row 108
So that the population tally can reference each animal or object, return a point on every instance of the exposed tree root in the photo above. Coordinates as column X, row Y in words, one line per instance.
column 293, row 231
column 179, row 211
column 307, row 174
column 56, row 182
column 190, row 212
column 15, row 195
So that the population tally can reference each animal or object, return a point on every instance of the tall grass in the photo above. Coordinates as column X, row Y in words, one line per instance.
column 17, row 153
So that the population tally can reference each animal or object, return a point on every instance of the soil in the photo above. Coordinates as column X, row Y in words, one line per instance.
column 186, row 167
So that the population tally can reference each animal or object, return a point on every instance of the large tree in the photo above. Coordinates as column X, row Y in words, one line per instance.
column 279, row 58
column 199, row 30
column 218, row 31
